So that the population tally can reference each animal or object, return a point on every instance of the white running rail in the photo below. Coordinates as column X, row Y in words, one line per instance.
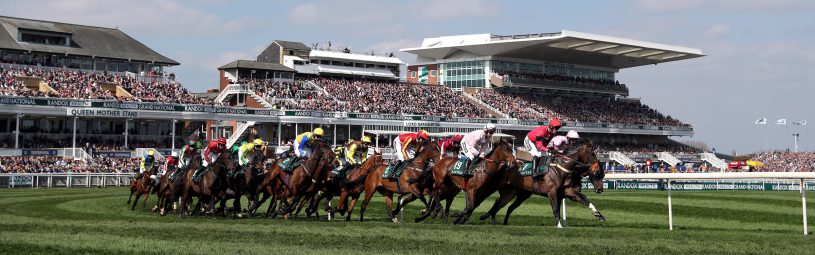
column 67, row 180
column 669, row 177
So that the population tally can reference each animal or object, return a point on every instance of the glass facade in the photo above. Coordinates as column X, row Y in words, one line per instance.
column 550, row 68
column 464, row 74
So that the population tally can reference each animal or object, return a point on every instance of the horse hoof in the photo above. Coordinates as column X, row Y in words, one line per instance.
column 395, row 220
column 602, row 219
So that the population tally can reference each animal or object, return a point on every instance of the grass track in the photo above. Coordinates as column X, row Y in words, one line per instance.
column 79, row 221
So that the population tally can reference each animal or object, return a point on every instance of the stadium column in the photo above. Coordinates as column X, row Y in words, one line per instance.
column 126, row 131
column 74, row 138
column 279, row 133
column 172, row 139
column 17, row 131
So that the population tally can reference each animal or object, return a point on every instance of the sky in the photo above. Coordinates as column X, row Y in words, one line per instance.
column 760, row 54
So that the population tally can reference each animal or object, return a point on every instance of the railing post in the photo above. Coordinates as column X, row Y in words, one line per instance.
column 563, row 211
column 804, row 206
column 670, row 208
column 50, row 181
column 89, row 180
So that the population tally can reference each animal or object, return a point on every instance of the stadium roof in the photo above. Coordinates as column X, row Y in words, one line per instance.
column 249, row 64
column 322, row 54
column 292, row 45
column 563, row 47
column 88, row 41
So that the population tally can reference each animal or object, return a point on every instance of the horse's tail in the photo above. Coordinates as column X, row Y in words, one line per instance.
column 356, row 181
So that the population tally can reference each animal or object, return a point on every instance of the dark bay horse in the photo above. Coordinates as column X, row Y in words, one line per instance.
column 421, row 164
column 142, row 186
column 212, row 185
column 562, row 181
column 244, row 181
column 166, row 190
column 484, row 181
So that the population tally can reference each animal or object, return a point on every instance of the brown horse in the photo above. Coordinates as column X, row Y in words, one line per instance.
column 562, row 181
column 353, row 185
column 142, row 186
column 484, row 181
column 300, row 183
column 426, row 156
column 166, row 189
column 212, row 185
column 244, row 181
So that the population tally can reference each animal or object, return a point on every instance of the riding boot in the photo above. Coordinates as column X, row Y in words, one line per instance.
column 138, row 176
column 535, row 165
column 196, row 177
column 395, row 168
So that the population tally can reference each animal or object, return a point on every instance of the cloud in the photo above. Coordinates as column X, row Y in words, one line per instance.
column 727, row 5
column 386, row 17
column 154, row 17
column 717, row 30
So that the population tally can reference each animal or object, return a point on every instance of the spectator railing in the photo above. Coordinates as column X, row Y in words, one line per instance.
column 669, row 159
column 76, row 153
column 713, row 160
column 485, row 105
column 242, row 127
column 67, row 180
column 231, row 90
column 565, row 85
column 621, row 158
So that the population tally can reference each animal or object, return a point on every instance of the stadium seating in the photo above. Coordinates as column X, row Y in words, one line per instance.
column 786, row 161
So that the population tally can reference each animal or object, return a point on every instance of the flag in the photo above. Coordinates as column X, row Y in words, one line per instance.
column 762, row 121
column 781, row 122
column 801, row 123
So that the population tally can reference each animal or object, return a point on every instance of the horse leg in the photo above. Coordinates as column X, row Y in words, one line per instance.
column 389, row 205
column 369, row 193
column 503, row 200
column 427, row 210
column 555, row 198
column 350, row 208
column 520, row 198
column 463, row 216
column 582, row 199
column 135, row 202
column 146, row 196
column 183, row 203
column 132, row 190
column 401, row 202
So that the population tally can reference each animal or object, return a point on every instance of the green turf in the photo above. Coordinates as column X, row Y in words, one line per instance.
column 78, row 221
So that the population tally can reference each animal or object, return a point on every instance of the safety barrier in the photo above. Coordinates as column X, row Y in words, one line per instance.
column 67, row 180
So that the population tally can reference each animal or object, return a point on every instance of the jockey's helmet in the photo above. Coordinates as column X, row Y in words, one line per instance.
column 221, row 141
column 366, row 139
column 423, row 135
column 319, row 132
column 572, row 134
column 554, row 123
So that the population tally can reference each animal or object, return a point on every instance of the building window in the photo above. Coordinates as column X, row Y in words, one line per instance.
column 412, row 74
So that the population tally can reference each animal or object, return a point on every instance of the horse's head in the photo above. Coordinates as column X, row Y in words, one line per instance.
column 501, row 153
column 225, row 160
column 586, row 156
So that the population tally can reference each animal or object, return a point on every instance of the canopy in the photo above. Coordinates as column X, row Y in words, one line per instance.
column 755, row 163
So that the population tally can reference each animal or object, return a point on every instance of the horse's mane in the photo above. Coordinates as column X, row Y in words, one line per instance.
column 580, row 143
column 495, row 146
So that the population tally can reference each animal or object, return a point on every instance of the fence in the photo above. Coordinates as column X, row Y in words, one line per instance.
column 670, row 179
column 66, row 180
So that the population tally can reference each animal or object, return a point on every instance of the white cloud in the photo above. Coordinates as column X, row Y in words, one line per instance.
column 728, row 5
column 155, row 17
column 717, row 30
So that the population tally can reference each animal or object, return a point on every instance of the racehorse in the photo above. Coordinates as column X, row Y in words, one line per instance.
column 300, row 182
column 244, row 180
column 142, row 186
column 484, row 181
column 166, row 190
column 211, row 186
column 562, row 181
column 426, row 156
column 353, row 185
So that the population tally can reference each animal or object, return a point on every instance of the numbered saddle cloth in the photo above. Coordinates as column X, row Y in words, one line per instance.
column 460, row 167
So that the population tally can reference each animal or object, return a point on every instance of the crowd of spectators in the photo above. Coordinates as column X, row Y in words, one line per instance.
column 395, row 98
column 572, row 81
column 78, row 84
column 45, row 164
column 517, row 108
column 590, row 109
column 786, row 161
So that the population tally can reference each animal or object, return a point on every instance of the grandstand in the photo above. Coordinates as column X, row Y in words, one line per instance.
column 84, row 92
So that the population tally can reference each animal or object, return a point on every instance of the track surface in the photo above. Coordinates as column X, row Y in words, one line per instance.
column 76, row 221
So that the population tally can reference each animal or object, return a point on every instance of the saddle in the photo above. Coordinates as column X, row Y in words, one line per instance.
column 394, row 171
column 290, row 164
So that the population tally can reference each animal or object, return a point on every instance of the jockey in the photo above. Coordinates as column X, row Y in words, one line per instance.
column 187, row 152
column 213, row 150
column 210, row 155
column 305, row 142
column 357, row 151
column 248, row 151
column 537, row 140
column 172, row 160
column 560, row 143
column 404, row 145
column 146, row 164
column 450, row 144
column 476, row 144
